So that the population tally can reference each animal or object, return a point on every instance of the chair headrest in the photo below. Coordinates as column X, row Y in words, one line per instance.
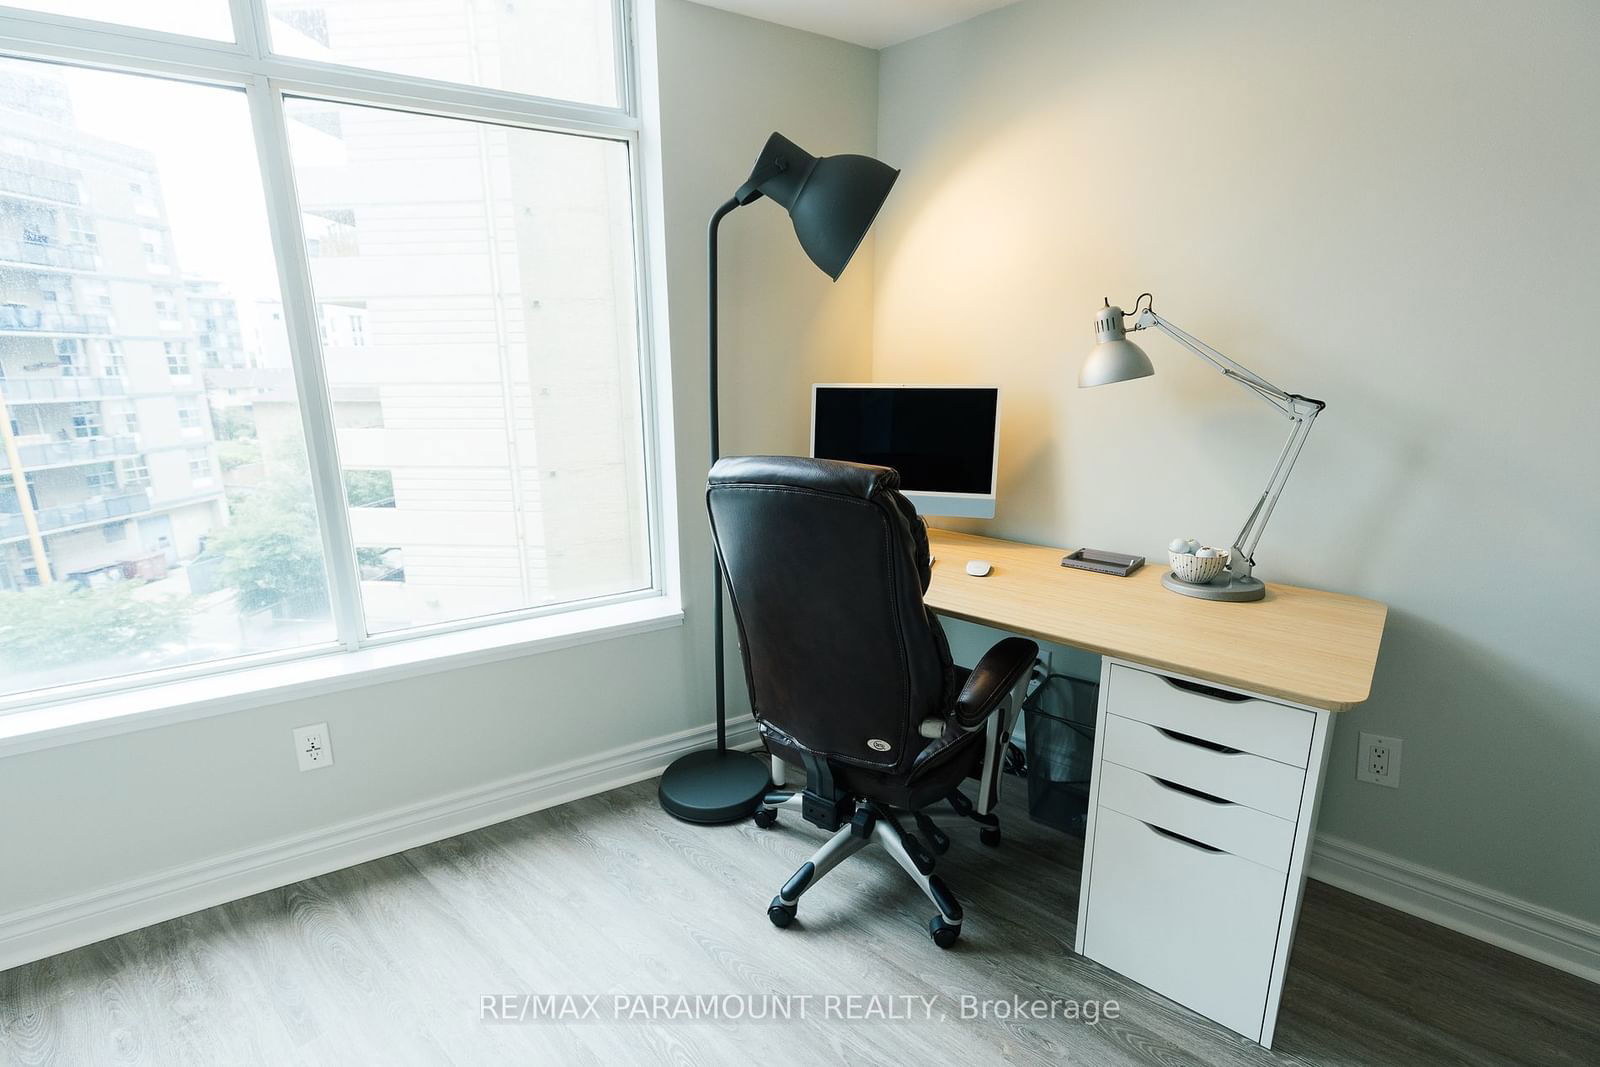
column 823, row 475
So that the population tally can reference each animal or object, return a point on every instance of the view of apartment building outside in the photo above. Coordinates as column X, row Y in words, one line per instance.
column 113, row 483
column 476, row 305
column 98, row 361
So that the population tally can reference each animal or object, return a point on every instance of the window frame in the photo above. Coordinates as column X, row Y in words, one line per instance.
column 246, row 64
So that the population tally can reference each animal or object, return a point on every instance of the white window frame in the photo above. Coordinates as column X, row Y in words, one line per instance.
column 266, row 79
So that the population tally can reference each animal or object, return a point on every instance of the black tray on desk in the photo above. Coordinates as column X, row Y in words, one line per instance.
column 1093, row 559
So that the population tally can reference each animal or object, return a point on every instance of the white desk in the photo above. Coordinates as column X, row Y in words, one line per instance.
column 1210, row 750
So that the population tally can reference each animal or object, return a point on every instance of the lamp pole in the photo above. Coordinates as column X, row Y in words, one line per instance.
column 716, row 454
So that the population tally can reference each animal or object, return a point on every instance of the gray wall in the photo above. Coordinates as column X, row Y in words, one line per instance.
column 84, row 817
column 1389, row 206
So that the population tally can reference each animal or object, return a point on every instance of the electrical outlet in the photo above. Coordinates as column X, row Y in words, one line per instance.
column 1378, row 760
column 312, row 747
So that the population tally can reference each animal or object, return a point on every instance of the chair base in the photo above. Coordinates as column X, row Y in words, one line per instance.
column 713, row 786
column 873, row 823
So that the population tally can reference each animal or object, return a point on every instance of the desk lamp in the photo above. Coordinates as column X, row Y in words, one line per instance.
column 1114, row 358
column 831, row 201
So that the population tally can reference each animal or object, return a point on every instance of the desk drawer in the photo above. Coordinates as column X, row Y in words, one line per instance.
column 1240, row 777
column 1254, row 835
column 1195, row 925
column 1248, row 724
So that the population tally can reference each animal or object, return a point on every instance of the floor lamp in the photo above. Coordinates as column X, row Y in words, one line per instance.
column 832, row 201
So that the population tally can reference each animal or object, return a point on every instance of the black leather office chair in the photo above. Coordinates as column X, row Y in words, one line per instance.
column 849, row 672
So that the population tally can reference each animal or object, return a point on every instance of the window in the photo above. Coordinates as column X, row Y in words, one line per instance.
column 100, row 478
column 154, row 245
column 197, row 18
column 85, row 420
column 135, row 472
column 566, row 49
column 199, row 465
column 489, row 429
column 465, row 274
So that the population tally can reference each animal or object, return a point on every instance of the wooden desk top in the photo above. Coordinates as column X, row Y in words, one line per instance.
column 1300, row 645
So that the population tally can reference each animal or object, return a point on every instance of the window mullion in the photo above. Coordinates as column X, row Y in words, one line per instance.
column 311, row 380
column 249, row 20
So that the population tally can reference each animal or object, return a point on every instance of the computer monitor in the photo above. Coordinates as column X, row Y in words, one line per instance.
column 943, row 439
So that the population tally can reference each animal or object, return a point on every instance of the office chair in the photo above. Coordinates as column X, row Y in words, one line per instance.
column 850, row 674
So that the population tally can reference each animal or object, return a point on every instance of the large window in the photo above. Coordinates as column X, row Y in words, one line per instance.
column 402, row 239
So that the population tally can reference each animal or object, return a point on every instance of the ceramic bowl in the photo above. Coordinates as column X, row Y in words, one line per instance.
column 1197, row 570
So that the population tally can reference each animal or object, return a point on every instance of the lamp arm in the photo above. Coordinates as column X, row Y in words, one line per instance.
column 1302, row 411
column 1241, row 374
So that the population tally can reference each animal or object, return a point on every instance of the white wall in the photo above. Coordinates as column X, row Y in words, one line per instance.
column 1388, row 206
column 99, row 814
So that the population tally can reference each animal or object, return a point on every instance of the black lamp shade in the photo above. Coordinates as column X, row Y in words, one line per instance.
column 831, row 200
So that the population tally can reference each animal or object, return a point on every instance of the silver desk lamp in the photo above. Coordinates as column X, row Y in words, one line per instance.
column 1114, row 358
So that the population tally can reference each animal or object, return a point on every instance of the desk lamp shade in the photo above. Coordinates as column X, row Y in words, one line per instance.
column 1114, row 358
column 831, row 200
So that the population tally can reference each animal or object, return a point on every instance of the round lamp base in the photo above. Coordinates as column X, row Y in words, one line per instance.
column 1226, row 587
column 714, row 786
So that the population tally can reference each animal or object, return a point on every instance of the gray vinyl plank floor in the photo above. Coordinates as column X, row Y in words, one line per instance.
column 387, row 963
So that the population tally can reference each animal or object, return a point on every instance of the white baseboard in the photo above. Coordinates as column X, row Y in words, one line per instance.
column 1540, row 933
column 58, row 926
column 1562, row 941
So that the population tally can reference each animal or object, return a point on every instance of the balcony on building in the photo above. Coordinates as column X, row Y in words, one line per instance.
column 91, row 512
column 46, row 255
column 61, row 390
column 71, row 452
column 37, row 179
column 20, row 318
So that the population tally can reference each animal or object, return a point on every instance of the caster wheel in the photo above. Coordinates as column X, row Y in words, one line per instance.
column 780, row 913
column 944, row 933
column 990, row 835
column 766, row 817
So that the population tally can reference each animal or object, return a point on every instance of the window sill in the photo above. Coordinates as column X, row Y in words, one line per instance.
column 163, row 704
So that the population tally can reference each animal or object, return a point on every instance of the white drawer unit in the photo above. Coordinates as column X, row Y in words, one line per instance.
column 1200, row 815
column 1199, row 763
column 1249, row 724
column 1211, row 820
column 1191, row 922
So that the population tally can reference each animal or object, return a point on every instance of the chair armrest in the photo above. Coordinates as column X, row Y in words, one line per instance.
column 1002, row 669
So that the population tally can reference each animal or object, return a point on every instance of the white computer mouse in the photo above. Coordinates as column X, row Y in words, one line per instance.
column 979, row 568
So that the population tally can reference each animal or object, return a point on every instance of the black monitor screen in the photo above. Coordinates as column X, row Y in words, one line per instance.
column 940, row 440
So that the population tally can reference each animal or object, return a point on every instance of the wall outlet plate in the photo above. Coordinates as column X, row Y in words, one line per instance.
column 312, row 747
column 1378, row 760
